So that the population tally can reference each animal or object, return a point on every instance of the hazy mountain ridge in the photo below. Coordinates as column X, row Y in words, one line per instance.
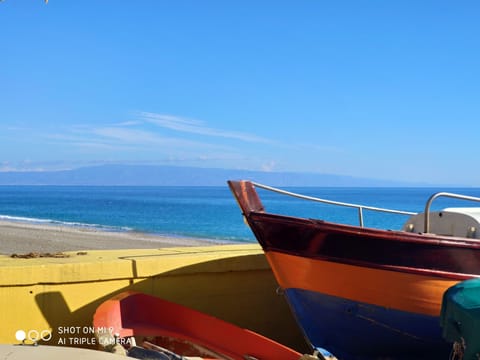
column 144, row 175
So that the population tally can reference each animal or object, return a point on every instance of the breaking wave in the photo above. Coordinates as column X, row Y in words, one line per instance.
column 99, row 227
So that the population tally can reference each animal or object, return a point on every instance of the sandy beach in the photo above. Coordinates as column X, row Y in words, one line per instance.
column 23, row 238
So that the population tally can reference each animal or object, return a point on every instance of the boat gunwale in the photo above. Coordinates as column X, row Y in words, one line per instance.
column 389, row 235
column 367, row 233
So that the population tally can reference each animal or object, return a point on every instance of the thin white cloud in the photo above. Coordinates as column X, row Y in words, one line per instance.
column 143, row 138
column 129, row 123
column 197, row 127
column 128, row 138
column 127, row 135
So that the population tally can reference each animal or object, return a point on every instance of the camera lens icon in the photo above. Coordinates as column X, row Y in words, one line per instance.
column 33, row 335
column 20, row 335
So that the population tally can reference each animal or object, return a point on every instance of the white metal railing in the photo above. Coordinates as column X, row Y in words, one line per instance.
column 445, row 194
column 338, row 203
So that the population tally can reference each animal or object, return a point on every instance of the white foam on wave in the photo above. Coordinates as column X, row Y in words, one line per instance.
column 100, row 227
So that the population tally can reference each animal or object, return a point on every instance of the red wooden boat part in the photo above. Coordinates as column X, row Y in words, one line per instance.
column 140, row 315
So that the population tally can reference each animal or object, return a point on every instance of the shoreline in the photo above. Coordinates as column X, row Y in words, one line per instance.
column 23, row 238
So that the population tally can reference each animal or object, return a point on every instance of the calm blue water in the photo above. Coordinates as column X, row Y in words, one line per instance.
column 201, row 212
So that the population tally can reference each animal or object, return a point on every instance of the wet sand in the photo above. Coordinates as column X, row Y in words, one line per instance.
column 23, row 238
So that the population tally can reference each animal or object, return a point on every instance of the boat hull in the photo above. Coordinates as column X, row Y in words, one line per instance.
column 359, row 313
column 141, row 315
column 358, row 292
column 347, row 328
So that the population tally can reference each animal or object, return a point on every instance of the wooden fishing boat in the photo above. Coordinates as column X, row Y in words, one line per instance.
column 177, row 331
column 367, row 293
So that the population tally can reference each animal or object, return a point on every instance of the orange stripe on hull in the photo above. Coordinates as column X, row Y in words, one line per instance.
column 391, row 289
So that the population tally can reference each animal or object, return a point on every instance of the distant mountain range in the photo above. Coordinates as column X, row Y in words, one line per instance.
column 140, row 175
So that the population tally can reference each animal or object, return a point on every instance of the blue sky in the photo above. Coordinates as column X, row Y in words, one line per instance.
column 378, row 89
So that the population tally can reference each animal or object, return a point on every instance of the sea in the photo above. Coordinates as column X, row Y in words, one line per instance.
column 209, row 213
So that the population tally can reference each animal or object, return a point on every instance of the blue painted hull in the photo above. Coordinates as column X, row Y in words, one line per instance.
column 348, row 328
